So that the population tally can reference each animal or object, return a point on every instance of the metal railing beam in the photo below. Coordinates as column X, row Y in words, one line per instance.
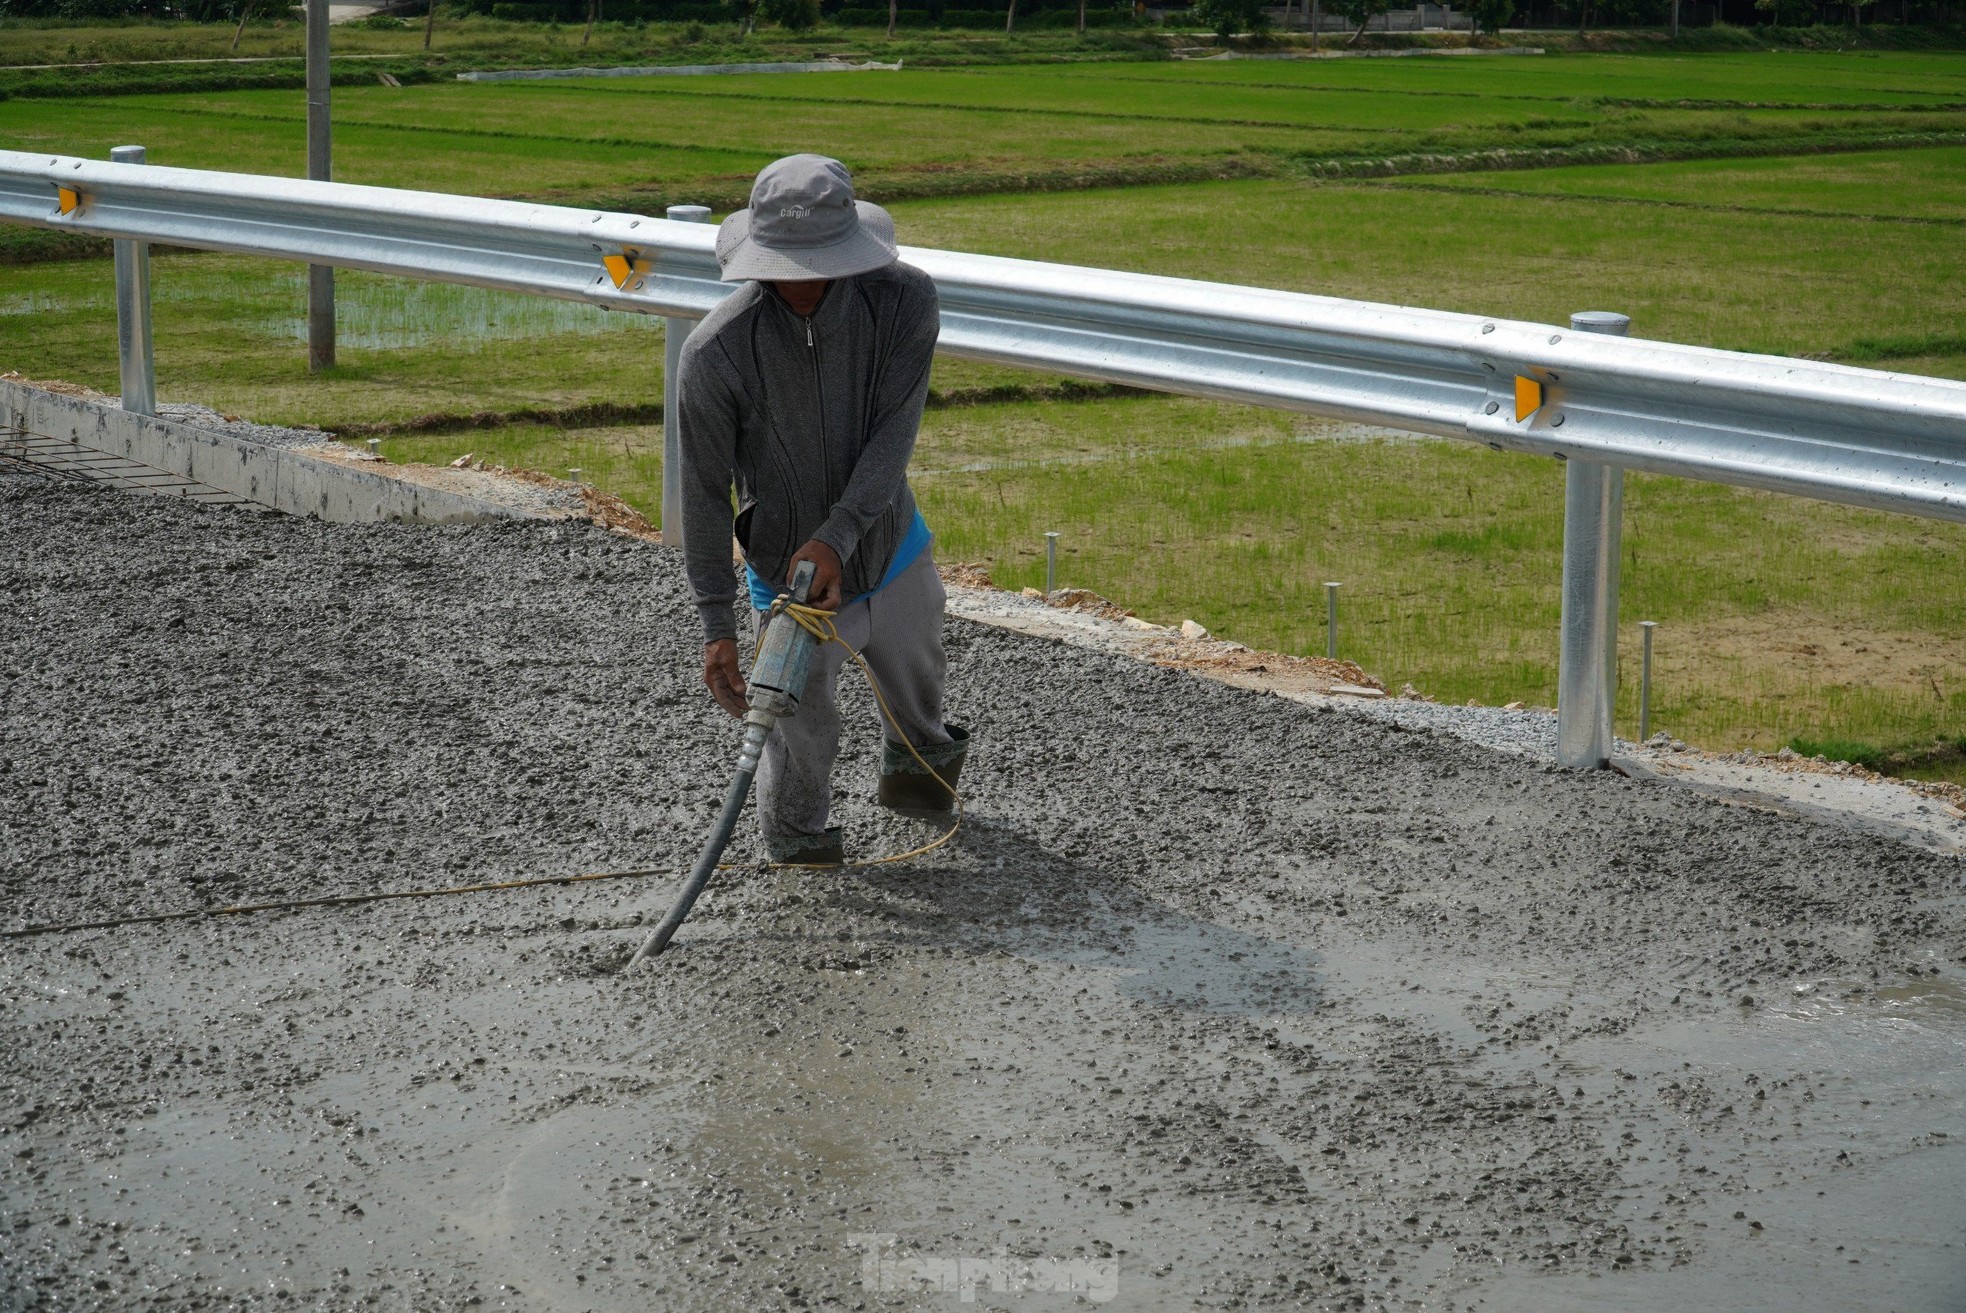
column 1865, row 437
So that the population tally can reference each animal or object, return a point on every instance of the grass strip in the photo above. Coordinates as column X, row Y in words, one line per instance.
column 1944, row 760
column 591, row 415
column 1839, row 216
column 601, row 414
column 923, row 183
column 1718, row 104
column 1837, row 107
column 1077, row 113
column 1905, row 346
column 153, row 79
column 20, row 245
column 77, row 71
column 1634, row 152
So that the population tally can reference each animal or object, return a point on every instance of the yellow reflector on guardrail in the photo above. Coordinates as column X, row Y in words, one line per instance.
column 1528, row 397
column 625, row 267
column 68, row 199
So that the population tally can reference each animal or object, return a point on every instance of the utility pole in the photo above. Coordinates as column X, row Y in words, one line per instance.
column 320, row 277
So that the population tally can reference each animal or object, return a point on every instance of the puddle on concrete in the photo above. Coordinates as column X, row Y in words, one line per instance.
column 1169, row 961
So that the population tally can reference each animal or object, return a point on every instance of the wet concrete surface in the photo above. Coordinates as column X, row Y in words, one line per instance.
column 1216, row 1002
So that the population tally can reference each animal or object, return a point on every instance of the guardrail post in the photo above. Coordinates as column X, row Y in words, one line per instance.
column 1645, row 684
column 1587, row 666
column 320, row 277
column 133, row 312
column 675, row 332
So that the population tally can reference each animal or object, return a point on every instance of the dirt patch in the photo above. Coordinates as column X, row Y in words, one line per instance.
column 1817, row 653
column 967, row 574
column 1251, row 668
column 1082, row 600
column 610, row 512
column 56, row 386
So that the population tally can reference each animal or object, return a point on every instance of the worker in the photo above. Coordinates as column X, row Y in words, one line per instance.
column 804, row 391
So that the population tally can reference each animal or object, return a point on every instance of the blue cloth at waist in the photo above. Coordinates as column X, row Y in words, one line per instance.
column 913, row 544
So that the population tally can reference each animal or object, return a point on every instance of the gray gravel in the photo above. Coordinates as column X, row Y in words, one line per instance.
column 1217, row 1002
column 1525, row 733
column 272, row 435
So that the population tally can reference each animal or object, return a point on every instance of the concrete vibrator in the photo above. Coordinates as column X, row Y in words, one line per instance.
column 778, row 679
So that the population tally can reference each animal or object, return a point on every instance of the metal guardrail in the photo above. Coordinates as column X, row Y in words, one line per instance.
column 1605, row 403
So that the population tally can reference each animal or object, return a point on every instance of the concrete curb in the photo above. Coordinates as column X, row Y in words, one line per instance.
column 280, row 478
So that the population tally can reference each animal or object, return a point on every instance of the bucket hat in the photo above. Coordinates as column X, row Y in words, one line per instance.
column 804, row 223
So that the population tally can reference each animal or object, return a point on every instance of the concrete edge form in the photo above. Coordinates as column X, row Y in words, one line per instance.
column 279, row 478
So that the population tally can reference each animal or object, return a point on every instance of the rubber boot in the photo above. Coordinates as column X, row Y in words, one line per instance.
column 906, row 787
column 807, row 849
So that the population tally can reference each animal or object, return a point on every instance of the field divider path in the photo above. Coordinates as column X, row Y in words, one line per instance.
column 1571, row 198
column 1580, row 102
column 352, row 119
column 1647, row 151
column 959, row 107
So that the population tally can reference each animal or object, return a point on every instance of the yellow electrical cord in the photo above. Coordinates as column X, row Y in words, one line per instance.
column 814, row 621
column 820, row 625
column 334, row 900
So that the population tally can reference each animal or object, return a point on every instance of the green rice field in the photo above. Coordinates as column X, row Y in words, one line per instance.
column 1790, row 203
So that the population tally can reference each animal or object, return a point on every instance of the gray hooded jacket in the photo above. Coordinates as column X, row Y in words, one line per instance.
column 814, row 420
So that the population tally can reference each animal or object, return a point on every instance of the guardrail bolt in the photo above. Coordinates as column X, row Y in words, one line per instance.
column 1331, row 619
column 1050, row 564
column 133, row 311
column 1645, row 683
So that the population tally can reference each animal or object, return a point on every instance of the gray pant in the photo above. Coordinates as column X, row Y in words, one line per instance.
column 899, row 632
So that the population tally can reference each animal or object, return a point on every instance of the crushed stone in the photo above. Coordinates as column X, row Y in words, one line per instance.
column 1220, row 1000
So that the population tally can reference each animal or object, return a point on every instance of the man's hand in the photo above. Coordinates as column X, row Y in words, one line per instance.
column 721, row 677
column 825, row 590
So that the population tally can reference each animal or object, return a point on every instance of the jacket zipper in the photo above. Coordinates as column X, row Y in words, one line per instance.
column 818, row 381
